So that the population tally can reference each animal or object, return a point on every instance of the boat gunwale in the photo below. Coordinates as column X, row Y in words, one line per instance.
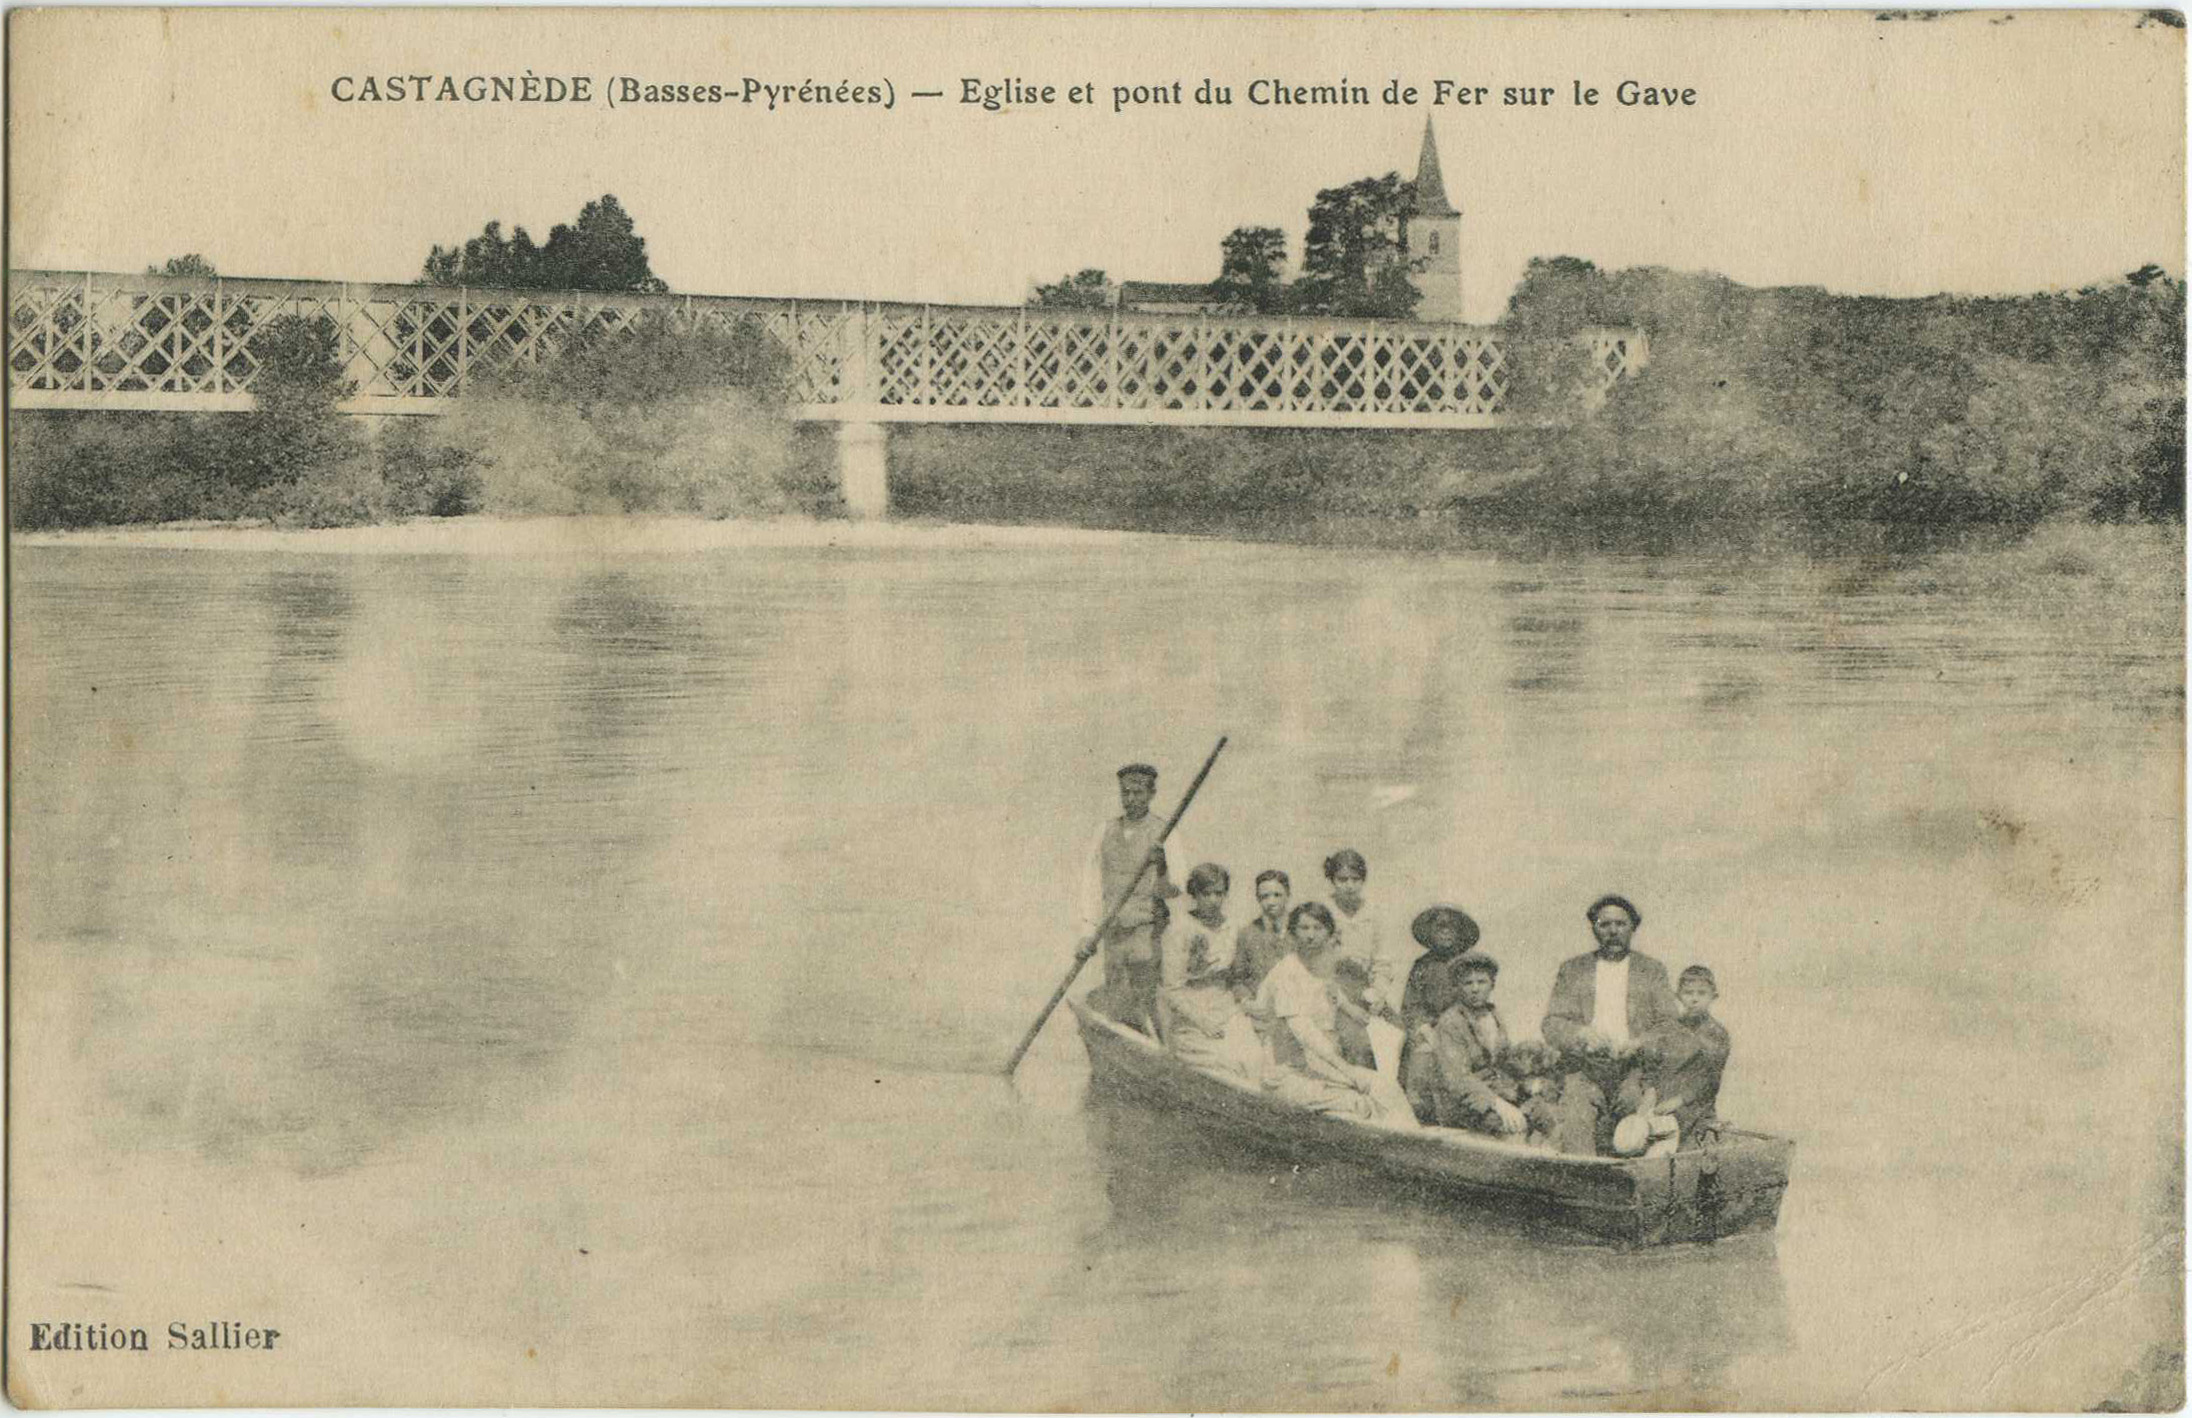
column 1455, row 1139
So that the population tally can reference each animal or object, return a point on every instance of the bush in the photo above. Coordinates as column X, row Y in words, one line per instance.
column 1187, row 478
column 295, row 431
column 660, row 418
column 69, row 469
column 1794, row 406
column 424, row 474
column 658, row 357
column 345, row 494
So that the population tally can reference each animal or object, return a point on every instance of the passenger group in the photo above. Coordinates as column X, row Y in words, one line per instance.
column 1308, row 1002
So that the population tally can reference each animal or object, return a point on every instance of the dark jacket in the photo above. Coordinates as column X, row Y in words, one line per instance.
column 1458, row 1077
column 1431, row 989
column 1256, row 948
column 1575, row 993
column 1688, row 1060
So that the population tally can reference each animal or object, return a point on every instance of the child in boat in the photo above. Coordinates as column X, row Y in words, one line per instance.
column 1463, row 1081
column 1444, row 932
column 1296, row 997
column 1685, row 1060
column 1262, row 943
column 1202, row 1024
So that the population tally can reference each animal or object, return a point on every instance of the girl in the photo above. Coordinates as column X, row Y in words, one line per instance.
column 1201, row 1022
column 1363, row 976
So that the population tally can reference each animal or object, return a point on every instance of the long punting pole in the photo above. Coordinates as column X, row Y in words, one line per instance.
column 1088, row 947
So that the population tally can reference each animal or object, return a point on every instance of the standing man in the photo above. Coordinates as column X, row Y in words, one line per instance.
column 1125, row 845
column 1604, row 1006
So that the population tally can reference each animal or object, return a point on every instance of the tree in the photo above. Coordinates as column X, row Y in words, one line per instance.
column 191, row 265
column 603, row 251
column 1355, row 256
column 293, row 430
column 489, row 259
column 1089, row 289
column 1252, row 272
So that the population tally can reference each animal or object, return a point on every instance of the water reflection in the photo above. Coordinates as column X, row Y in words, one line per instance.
column 309, row 613
column 1487, row 1306
column 1548, row 649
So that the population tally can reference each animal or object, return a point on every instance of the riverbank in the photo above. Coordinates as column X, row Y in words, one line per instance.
column 1789, row 418
column 1975, row 560
column 586, row 536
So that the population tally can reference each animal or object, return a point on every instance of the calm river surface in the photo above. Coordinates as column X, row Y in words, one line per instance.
column 590, row 969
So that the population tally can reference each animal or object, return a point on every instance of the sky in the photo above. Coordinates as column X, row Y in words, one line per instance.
column 1972, row 153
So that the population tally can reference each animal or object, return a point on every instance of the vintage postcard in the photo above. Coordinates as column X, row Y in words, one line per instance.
column 1096, row 710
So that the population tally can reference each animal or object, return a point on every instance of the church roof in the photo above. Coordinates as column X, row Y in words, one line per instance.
column 1430, row 182
column 1133, row 293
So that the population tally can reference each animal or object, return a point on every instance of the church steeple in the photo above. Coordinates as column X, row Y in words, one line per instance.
column 1430, row 182
column 1434, row 239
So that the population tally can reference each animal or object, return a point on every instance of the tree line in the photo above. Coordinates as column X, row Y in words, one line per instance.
column 601, row 251
column 1355, row 261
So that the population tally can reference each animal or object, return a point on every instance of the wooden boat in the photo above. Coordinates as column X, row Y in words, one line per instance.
column 1706, row 1194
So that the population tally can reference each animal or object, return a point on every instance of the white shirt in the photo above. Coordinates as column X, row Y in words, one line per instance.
column 1610, row 1002
column 1292, row 993
column 1093, row 903
column 1182, row 936
column 1361, row 936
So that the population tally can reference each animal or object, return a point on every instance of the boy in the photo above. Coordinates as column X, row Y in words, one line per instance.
column 1689, row 1056
column 1262, row 943
column 1461, row 1081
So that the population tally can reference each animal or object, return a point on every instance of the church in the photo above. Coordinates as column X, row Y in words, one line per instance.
column 1431, row 239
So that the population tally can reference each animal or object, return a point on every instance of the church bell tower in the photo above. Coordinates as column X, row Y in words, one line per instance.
column 1434, row 239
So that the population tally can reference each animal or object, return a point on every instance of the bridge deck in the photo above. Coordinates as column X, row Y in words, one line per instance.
column 117, row 342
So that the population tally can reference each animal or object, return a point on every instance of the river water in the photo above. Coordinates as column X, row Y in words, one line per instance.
column 580, row 977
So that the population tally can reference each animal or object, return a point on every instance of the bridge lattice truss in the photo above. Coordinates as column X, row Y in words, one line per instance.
column 177, row 343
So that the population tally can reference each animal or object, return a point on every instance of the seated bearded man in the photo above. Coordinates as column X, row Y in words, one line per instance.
column 1604, row 1006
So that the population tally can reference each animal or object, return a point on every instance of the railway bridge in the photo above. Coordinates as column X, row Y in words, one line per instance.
column 91, row 340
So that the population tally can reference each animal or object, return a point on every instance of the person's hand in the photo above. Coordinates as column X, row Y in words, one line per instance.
column 1157, row 858
column 1363, row 1079
column 1510, row 1117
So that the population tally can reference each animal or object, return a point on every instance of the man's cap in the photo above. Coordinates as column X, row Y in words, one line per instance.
column 1434, row 916
column 1636, row 917
column 1699, row 972
column 1139, row 770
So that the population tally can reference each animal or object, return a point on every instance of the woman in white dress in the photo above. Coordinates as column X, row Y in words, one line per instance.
column 1309, row 1070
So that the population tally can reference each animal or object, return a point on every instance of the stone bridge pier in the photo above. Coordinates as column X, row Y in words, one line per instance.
column 863, row 468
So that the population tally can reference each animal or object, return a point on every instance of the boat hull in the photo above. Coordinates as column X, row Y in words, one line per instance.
column 1707, row 1194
